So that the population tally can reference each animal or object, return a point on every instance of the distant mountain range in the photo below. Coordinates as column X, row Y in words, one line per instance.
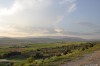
column 30, row 40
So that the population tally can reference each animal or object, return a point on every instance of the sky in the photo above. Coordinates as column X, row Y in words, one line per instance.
column 72, row 18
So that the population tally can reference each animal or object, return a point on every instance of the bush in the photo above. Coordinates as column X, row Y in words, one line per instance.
column 30, row 59
column 38, row 55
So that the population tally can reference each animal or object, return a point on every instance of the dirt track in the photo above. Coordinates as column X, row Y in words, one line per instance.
column 88, row 60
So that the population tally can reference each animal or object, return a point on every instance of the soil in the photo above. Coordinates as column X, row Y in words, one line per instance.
column 92, row 59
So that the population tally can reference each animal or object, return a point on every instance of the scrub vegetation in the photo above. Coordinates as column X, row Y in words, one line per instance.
column 49, row 54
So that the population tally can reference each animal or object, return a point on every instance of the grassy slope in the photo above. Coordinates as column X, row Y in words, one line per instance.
column 55, row 60
column 71, row 56
column 6, row 49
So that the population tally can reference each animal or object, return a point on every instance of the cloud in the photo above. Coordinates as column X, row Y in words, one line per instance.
column 88, row 24
column 34, row 16
column 72, row 8
column 13, row 31
column 41, row 18
column 58, row 30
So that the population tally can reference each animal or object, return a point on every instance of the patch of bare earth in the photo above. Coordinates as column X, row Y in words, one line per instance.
column 88, row 60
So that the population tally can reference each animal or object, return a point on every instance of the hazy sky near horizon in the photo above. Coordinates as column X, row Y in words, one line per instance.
column 75, row 18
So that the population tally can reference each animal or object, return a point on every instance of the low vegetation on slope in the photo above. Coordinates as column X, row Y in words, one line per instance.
column 49, row 55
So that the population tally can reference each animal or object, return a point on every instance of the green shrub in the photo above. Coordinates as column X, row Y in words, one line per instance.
column 30, row 59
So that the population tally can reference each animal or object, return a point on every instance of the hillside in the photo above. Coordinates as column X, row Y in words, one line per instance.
column 30, row 40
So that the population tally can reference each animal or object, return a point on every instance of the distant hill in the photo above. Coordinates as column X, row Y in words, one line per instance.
column 30, row 40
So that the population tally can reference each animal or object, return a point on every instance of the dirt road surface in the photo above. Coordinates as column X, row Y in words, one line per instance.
column 88, row 60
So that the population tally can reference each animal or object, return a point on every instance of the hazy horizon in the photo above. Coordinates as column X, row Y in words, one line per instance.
column 36, row 18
